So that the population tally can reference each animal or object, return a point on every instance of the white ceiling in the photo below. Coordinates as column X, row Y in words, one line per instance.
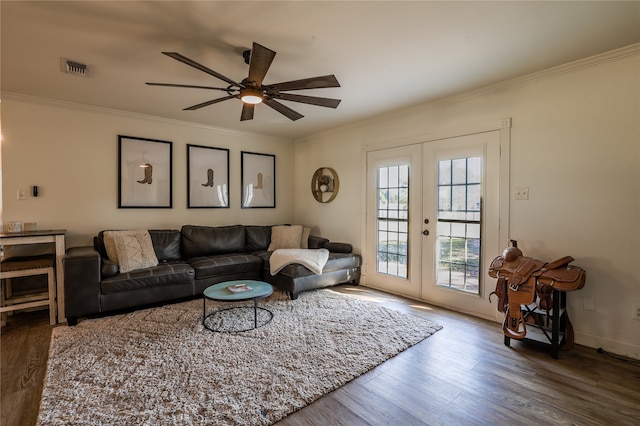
column 387, row 55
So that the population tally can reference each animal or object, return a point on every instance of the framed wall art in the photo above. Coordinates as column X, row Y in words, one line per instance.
column 145, row 169
column 258, row 180
column 207, row 177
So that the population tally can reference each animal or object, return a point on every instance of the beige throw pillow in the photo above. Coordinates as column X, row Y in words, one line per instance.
column 304, row 243
column 283, row 236
column 110, row 246
column 134, row 253
column 130, row 250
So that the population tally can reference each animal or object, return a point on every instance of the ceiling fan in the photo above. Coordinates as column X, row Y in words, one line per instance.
column 251, row 91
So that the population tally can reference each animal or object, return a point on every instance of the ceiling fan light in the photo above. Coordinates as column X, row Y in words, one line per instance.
column 251, row 96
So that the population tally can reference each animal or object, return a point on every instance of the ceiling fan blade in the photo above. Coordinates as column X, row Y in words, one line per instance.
column 311, row 100
column 188, row 86
column 306, row 83
column 185, row 60
column 284, row 110
column 214, row 101
column 247, row 112
column 260, row 61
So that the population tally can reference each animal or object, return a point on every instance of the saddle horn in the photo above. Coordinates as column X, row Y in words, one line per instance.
column 512, row 253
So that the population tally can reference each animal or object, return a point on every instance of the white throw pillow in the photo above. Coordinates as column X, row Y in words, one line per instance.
column 130, row 250
column 110, row 246
column 283, row 236
column 304, row 243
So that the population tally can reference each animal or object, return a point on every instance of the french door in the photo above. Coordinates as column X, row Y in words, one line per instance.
column 393, row 220
column 433, row 220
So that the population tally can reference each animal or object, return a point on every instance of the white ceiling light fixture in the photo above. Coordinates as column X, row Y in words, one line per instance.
column 251, row 90
column 251, row 96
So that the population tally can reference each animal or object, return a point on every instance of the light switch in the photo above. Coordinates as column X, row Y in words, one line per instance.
column 22, row 194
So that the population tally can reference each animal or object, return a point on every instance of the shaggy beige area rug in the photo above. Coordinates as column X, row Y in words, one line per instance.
column 160, row 366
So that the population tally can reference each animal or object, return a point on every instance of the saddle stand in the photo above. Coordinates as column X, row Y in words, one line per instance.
column 534, row 292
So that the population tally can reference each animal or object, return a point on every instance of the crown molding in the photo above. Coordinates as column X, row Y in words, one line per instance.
column 588, row 62
column 591, row 61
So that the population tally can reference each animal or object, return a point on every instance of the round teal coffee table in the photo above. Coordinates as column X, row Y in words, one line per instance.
column 236, row 291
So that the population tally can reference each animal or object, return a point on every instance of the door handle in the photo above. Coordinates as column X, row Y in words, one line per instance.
column 425, row 232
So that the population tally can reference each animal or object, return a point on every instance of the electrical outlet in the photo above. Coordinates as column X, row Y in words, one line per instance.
column 636, row 311
column 522, row 193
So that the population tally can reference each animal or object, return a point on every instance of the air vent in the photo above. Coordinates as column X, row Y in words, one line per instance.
column 73, row 67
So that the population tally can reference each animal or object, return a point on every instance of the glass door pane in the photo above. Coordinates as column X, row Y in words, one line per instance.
column 392, row 220
column 458, row 224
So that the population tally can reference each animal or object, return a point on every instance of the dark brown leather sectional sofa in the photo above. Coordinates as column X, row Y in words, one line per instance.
column 190, row 260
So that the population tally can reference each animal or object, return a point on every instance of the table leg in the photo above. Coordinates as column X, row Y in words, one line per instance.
column 255, row 313
column 60, row 251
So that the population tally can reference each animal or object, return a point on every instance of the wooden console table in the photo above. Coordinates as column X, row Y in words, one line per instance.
column 55, row 236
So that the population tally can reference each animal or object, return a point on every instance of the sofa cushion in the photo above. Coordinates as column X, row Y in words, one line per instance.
column 134, row 252
column 106, row 245
column 109, row 269
column 206, row 240
column 338, row 247
column 168, row 273
column 304, row 241
column 231, row 263
column 285, row 237
column 317, row 242
column 166, row 243
column 110, row 245
column 258, row 237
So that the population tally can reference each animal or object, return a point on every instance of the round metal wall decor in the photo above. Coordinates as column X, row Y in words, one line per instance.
column 325, row 185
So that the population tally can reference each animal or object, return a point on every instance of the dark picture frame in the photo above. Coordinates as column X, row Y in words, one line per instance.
column 145, row 170
column 258, row 180
column 207, row 177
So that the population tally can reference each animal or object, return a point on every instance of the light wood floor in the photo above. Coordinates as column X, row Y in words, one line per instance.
column 462, row 375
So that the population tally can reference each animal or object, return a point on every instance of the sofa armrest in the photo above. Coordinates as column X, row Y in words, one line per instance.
column 317, row 242
column 320, row 242
column 338, row 247
column 81, row 282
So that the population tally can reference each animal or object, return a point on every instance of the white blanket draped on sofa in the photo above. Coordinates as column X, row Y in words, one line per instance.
column 313, row 259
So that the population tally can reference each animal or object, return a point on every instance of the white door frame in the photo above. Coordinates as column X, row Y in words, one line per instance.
column 504, row 127
column 410, row 286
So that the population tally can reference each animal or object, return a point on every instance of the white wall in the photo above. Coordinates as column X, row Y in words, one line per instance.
column 575, row 142
column 71, row 153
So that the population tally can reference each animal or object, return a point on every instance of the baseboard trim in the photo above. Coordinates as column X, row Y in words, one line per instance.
column 625, row 349
column 617, row 347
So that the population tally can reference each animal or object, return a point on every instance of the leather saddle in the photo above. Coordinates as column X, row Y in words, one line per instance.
column 523, row 280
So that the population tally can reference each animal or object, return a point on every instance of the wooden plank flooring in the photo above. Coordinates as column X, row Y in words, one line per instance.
column 462, row 375
column 24, row 349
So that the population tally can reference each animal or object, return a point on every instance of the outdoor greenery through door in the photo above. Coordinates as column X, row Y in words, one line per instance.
column 433, row 218
column 459, row 209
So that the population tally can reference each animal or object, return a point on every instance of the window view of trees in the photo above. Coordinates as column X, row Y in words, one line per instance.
column 459, row 201
column 393, row 220
column 458, row 225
